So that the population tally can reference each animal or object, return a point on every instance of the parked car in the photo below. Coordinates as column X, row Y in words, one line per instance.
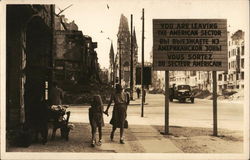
column 181, row 93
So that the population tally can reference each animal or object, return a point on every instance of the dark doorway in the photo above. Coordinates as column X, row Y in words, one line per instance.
column 38, row 49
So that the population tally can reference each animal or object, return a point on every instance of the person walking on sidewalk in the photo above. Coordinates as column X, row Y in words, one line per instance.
column 96, row 119
column 121, row 101
column 138, row 91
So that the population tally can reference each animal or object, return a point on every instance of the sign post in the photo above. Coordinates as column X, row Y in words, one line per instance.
column 131, row 62
column 166, row 129
column 215, row 132
column 190, row 45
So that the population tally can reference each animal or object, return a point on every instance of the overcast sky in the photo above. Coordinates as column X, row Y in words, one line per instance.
column 93, row 16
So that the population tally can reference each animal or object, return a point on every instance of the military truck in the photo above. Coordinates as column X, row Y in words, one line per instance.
column 181, row 93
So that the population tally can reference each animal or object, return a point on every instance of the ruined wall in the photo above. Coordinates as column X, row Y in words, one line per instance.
column 18, row 19
column 68, row 45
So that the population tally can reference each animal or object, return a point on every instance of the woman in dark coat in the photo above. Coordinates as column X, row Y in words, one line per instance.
column 119, row 114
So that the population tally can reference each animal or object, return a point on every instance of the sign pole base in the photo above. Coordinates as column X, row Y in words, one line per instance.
column 166, row 129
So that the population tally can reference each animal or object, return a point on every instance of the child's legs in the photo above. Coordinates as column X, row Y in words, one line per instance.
column 100, row 132
column 93, row 131
column 113, row 129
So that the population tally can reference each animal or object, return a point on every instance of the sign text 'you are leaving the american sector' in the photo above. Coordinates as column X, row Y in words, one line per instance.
column 190, row 44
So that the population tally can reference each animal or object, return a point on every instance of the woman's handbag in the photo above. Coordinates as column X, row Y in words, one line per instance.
column 126, row 124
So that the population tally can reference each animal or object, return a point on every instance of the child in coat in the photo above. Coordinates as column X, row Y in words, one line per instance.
column 96, row 118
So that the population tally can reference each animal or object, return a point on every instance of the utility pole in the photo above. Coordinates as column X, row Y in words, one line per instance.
column 142, row 66
column 114, row 72
column 120, row 59
column 131, row 61
column 215, row 130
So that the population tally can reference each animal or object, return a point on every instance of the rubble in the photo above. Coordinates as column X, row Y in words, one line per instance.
column 226, row 95
column 82, row 94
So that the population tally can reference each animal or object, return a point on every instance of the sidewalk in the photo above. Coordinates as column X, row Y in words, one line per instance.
column 138, row 139
column 144, row 139
column 142, row 136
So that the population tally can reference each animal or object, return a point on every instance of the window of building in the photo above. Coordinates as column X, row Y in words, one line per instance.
column 237, row 86
column 242, row 50
column 229, row 54
column 242, row 63
column 220, row 77
column 242, row 86
column 225, row 77
column 231, row 77
column 242, row 75
column 225, row 86
column 237, row 76
column 233, row 64
column 46, row 90
column 220, row 87
column 193, row 73
column 238, row 51
column 229, row 65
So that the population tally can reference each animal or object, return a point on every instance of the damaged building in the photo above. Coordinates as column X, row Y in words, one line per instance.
column 75, row 58
column 29, row 31
column 38, row 52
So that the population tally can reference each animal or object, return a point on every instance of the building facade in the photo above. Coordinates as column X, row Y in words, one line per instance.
column 74, row 58
column 236, row 60
column 104, row 75
column 233, row 79
column 29, row 31
column 68, row 55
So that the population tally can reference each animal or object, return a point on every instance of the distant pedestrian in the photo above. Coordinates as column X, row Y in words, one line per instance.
column 138, row 91
column 119, row 114
column 96, row 119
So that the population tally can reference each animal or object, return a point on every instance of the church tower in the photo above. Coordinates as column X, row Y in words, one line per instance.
column 123, row 48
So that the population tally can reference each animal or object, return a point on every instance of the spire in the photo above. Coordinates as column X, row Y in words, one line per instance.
column 134, row 39
column 123, row 27
column 111, row 55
